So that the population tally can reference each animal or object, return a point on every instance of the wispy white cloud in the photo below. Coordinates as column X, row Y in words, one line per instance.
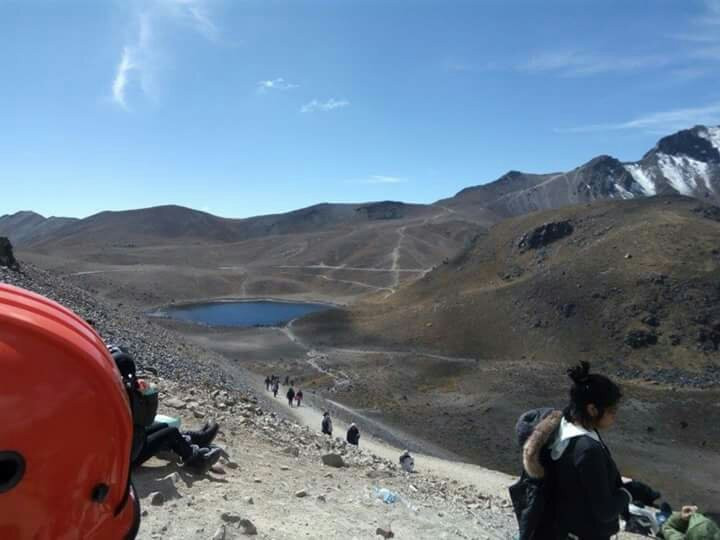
column 139, row 58
column 329, row 105
column 574, row 63
column 378, row 179
column 659, row 122
column 382, row 179
column 275, row 84
column 121, row 78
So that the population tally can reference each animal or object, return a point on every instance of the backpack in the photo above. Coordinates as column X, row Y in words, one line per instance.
column 143, row 405
column 532, row 497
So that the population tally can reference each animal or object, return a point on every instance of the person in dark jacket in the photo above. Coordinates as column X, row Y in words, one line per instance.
column 326, row 424
column 588, row 492
column 290, row 396
column 353, row 435
column 570, row 486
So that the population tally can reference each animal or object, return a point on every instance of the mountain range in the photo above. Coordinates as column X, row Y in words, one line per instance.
column 685, row 163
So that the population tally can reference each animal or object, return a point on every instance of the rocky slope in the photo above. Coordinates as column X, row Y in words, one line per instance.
column 278, row 480
column 685, row 163
column 630, row 279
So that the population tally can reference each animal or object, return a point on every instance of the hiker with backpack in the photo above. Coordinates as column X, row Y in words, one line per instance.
column 298, row 397
column 570, row 486
column 151, row 437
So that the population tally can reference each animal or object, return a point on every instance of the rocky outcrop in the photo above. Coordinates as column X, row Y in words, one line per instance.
column 546, row 234
column 383, row 210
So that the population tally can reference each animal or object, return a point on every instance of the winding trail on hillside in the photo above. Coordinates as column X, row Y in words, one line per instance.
column 396, row 258
column 358, row 283
column 353, row 268
column 311, row 412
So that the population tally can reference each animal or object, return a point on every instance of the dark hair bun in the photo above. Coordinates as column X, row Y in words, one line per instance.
column 580, row 373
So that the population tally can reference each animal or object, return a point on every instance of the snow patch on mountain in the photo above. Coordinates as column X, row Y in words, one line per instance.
column 624, row 193
column 642, row 178
column 682, row 172
column 711, row 134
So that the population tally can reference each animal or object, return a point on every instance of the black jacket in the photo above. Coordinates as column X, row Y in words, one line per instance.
column 587, row 490
column 579, row 493
column 353, row 435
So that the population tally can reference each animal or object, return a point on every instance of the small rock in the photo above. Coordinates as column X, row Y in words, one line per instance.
column 220, row 533
column 249, row 500
column 175, row 403
column 628, row 256
column 157, row 498
column 248, row 527
column 230, row 517
column 300, row 494
column 217, row 469
column 292, row 451
column 257, row 480
column 231, row 465
column 333, row 460
column 284, row 468
column 321, row 498
column 384, row 533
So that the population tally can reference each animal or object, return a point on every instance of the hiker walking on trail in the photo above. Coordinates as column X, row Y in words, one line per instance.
column 407, row 462
column 326, row 424
column 267, row 383
column 287, row 380
column 298, row 397
column 276, row 387
column 290, row 396
column 353, row 435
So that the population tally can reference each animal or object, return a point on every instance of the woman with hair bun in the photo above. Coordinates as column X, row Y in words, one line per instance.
column 588, row 491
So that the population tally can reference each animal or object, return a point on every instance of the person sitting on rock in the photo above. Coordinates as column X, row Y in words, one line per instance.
column 326, row 424
column 193, row 447
column 407, row 462
column 298, row 397
column 353, row 435
column 290, row 396
column 150, row 437
column 689, row 524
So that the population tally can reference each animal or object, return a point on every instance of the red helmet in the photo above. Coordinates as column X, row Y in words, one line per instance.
column 65, row 427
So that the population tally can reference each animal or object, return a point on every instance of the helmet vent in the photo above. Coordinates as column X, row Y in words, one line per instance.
column 12, row 468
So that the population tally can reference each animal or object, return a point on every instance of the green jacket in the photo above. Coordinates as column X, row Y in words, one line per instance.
column 698, row 527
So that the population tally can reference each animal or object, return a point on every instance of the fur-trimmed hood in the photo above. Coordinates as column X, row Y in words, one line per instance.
column 538, row 439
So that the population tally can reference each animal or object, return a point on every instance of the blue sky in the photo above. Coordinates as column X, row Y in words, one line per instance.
column 248, row 107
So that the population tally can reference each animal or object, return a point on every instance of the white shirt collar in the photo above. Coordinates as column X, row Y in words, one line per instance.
column 569, row 431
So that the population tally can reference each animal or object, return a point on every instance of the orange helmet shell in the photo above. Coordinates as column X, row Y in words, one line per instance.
column 64, row 410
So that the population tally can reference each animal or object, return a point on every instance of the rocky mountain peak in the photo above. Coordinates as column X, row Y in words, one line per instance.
column 700, row 143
